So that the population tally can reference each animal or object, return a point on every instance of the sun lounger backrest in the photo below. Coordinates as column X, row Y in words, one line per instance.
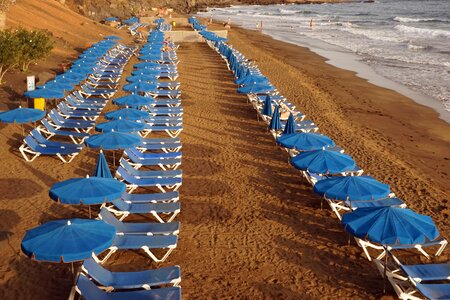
column 89, row 290
column 125, row 175
column 107, row 217
column 96, row 271
column 32, row 143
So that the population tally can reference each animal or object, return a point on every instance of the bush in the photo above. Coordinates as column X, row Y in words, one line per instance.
column 35, row 45
column 19, row 48
column 10, row 47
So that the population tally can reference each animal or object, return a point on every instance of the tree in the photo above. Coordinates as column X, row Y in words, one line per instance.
column 10, row 48
column 35, row 44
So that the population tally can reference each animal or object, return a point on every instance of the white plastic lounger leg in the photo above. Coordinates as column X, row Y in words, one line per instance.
column 441, row 249
column 420, row 249
column 111, row 251
column 155, row 259
column 23, row 150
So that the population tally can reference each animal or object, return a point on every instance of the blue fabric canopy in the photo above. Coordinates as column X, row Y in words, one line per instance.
column 133, row 100
column 275, row 123
column 87, row 190
column 128, row 114
column 45, row 93
column 151, row 57
column 140, row 86
column 57, row 85
column 305, row 141
column 145, row 78
column 68, row 240
column 102, row 168
column 289, row 128
column 70, row 77
column 323, row 161
column 21, row 115
column 146, row 72
column 120, row 125
column 390, row 226
column 352, row 188
column 252, row 79
column 267, row 108
column 147, row 64
column 255, row 89
column 113, row 140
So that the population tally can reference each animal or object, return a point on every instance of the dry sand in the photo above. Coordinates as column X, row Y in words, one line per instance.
column 251, row 228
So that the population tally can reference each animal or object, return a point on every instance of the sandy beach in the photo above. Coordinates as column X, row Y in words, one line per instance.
column 251, row 227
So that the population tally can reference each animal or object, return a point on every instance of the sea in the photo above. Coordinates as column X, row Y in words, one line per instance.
column 399, row 44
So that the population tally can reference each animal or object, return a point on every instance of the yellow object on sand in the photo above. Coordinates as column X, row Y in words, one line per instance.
column 39, row 103
column 174, row 23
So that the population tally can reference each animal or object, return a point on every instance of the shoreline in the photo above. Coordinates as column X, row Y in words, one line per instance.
column 347, row 60
column 391, row 136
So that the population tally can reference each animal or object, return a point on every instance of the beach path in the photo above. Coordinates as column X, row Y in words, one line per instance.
column 250, row 228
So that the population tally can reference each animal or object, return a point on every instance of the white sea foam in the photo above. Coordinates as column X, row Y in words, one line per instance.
column 418, row 47
column 373, row 34
column 413, row 20
column 423, row 31
column 412, row 48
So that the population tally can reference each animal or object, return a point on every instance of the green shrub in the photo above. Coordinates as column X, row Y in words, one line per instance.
column 10, row 48
column 19, row 48
column 36, row 44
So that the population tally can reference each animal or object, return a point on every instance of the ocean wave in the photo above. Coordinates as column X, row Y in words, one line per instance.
column 378, row 35
column 287, row 11
column 413, row 20
column 423, row 31
column 419, row 47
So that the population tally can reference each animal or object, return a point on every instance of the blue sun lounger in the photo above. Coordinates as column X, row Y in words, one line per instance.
column 54, row 115
column 57, row 121
column 94, row 103
column 151, row 198
column 148, row 228
column 101, row 84
column 123, row 209
column 165, row 102
column 165, row 111
column 50, row 131
column 171, row 160
column 164, row 120
column 73, row 103
column 163, row 183
column 409, row 281
column 81, row 98
column 89, row 291
column 69, row 112
column 89, row 91
column 166, row 147
column 31, row 146
column 53, row 144
column 147, row 279
column 165, row 93
column 171, row 85
column 172, row 130
column 149, row 173
column 144, row 242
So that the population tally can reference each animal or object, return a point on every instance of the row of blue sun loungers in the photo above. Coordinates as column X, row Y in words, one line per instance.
column 420, row 281
column 150, row 172
column 75, row 117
